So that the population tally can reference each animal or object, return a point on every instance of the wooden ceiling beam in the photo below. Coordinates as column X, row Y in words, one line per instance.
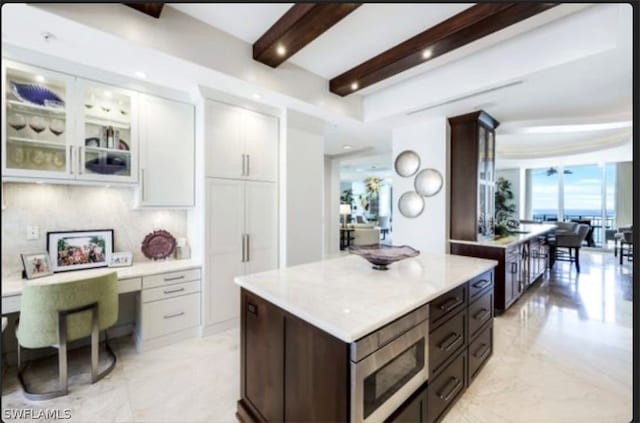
column 461, row 29
column 152, row 9
column 300, row 25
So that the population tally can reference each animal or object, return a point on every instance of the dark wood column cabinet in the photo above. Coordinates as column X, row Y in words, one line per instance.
column 472, row 168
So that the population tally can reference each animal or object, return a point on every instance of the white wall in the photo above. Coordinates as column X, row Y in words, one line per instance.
column 428, row 232
column 513, row 176
column 305, row 192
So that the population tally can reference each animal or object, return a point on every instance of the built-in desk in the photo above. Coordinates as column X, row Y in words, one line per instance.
column 167, row 296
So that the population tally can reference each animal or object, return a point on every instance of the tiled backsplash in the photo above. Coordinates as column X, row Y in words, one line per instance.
column 68, row 207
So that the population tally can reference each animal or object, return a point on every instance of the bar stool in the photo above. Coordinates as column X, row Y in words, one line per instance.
column 51, row 315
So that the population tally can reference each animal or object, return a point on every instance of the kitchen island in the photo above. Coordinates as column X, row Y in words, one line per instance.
column 336, row 340
column 522, row 259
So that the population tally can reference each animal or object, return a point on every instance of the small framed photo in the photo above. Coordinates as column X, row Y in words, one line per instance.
column 121, row 259
column 76, row 250
column 36, row 265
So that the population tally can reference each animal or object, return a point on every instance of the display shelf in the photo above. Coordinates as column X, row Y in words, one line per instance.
column 38, row 142
column 33, row 108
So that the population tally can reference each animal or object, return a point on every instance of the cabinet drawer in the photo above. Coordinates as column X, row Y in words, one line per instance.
column 480, row 312
column 447, row 304
column 170, row 278
column 445, row 389
column 164, row 292
column 446, row 340
column 129, row 285
column 478, row 284
column 480, row 350
column 171, row 315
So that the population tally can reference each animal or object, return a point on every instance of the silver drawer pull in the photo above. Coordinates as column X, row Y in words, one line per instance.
column 454, row 386
column 171, row 316
column 482, row 314
column 451, row 303
column 175, row 278
column 482, row 352
column 173, row 291
column 483, row 283
column 450, row 341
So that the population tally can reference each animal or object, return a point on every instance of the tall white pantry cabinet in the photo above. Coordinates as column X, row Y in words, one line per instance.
column 241, row 201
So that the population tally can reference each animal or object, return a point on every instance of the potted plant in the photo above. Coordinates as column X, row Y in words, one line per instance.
column 505, row 208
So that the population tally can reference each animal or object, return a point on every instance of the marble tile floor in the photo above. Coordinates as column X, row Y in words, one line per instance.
column 562, row 354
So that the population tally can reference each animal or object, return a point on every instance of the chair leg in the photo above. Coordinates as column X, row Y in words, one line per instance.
column 578, row 260
column 40, row 396
column 95, row 376
column 621, row 252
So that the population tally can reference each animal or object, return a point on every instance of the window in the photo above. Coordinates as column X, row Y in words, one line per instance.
column 544, row 194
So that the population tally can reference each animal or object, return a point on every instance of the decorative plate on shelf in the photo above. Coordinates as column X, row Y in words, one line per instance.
column 92, row 142
column 122, row 145
column 381, row 255
column 36, row 94
column 158, row 245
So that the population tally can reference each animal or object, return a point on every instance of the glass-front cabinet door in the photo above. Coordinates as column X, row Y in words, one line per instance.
column 37, row 130
column 108, row 143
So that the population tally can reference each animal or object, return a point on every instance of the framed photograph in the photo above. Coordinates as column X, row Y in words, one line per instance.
column 121, row 259
column 76, row 250
column 36, row 265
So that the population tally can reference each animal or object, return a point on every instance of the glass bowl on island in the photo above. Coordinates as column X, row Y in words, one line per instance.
column 382, row 255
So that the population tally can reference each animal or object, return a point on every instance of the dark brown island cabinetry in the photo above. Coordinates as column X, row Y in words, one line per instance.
column 292, row 371
column 519, row 266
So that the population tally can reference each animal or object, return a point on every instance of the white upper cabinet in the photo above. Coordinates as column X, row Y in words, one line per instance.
column 37, row 123
column 241, row 144
column 108, row 138
column 261, row 146
column 167, row 142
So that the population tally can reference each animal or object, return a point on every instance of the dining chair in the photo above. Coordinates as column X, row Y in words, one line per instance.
column 572, row 241
column 627, row 239
column 52, row 315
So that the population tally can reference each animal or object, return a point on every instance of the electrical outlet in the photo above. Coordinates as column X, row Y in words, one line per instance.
column 33, row 232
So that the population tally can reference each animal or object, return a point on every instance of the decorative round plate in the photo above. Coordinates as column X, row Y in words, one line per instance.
column 158, row 245
column 36, row 94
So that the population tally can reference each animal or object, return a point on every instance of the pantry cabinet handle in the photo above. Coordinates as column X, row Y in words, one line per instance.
column 252, row 308
column 451, row 388
column 243, row 248
column 173, row 291
column 451, row 340
column 142, row 182
column 243, row 165
column 248, row 165
column 174, row 278
column 248, row 248
column 451, row 303
column 171, row 316
column 514, row 267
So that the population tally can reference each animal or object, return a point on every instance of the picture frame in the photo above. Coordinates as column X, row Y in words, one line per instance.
column 36, row 265
column 78, row 250
column 121, row 259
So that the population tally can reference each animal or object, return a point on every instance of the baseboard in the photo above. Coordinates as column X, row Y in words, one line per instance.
column 163, row 341
column 219, row 327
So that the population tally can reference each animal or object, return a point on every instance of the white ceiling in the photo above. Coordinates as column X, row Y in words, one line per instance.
column 245, row 21
column 364, row 33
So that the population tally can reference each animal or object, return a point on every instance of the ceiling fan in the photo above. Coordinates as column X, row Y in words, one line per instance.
column 553, row 171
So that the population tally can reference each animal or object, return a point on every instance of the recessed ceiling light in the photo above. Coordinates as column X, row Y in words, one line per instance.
column 39, row 78
column 257, row 96
column 141, row 75
column 426, row 53
column 107, row 93
column 374, row 167
column 347, row 147
column 281, row 50
column 354, row 86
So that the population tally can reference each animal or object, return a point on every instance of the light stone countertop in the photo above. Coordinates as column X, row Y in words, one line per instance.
column 348, row 299
column 533, row 229
column 13, row 285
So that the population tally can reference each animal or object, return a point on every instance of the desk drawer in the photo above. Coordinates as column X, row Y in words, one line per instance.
column 480, row 350
column 480, row 312
column 129, row 285
column 11, row 304
column 170, row 278
column 447, row 305
column 171, row 315
column 479, row 284
column 164, row 292
column 445, row 341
